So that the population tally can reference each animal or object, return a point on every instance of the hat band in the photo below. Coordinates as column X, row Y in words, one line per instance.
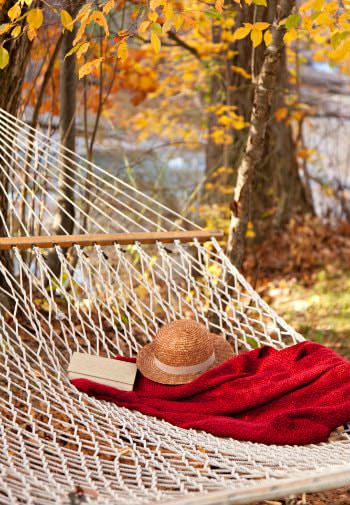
column 185, row 370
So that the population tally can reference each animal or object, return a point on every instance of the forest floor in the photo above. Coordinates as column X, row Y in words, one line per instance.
column 309, row 285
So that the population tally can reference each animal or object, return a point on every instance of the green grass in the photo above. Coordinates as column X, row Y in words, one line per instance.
column 320, row 312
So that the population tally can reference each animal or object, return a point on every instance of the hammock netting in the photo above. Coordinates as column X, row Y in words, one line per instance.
column 58, row 445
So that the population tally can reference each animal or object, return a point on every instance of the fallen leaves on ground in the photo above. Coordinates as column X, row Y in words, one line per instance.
column 302, row 248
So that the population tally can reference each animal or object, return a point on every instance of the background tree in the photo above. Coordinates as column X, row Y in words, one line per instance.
column 65, row 217
column 278, row 190
column 255, row 149
column 14, row 47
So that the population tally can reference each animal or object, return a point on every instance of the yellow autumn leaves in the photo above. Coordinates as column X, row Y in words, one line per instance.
column 171, row 19
column 34, row 18
column 323, row 22
column 227, row 120
column 123, row 51
column 85, row 17
column 89, row 67
column 4, row 58
column 151, row 26
column 257, row 31
column 327, row 24
column 155, row 42
column 66, row 20
column 13, row 29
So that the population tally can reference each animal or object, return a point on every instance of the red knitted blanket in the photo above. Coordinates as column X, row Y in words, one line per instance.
column 297, row 395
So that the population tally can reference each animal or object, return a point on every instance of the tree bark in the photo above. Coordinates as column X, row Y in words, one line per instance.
column 214, row 152
column 255, row 149
column 11, row 82
column 228, row 87
column 278, row 191
column 12, row 76
column 68, row 87
column 65, row 215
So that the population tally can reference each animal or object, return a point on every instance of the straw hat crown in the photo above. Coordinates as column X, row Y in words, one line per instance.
column 181, row 351
column 183, row 342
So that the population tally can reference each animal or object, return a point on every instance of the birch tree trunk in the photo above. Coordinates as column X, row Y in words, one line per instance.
column 255, row 148
column 278, row 191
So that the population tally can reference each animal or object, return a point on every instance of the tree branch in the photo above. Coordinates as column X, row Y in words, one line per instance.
column 182, row 43
column 46, row 79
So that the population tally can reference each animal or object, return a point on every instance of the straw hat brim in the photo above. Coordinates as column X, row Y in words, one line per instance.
column 145, row 362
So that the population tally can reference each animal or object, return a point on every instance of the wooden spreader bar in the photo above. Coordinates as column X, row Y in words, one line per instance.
column 65, row 241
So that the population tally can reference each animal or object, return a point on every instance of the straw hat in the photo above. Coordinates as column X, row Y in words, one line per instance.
column 181, row 351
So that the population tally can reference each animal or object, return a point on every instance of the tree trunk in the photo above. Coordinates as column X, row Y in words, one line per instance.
column 68, row 86
column 256, row 147
column 11, row 81
column 214, row 152
column 278, row 190
column 227, row 88
column 65, row 215
column 12, row 76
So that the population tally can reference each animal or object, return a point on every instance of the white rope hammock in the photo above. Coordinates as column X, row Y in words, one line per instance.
column 109, row 300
